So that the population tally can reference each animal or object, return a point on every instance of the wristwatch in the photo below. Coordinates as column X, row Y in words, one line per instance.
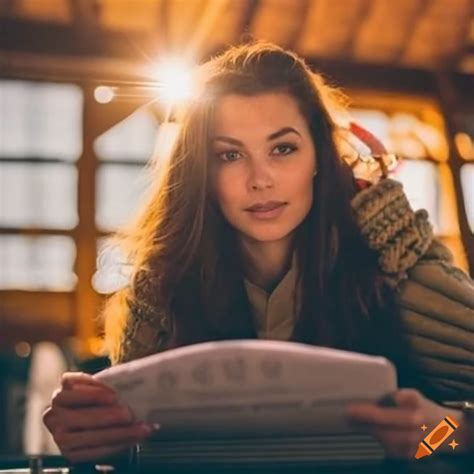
column 467, row 406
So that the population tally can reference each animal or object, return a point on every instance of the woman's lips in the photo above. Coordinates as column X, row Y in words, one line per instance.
column 267, row 211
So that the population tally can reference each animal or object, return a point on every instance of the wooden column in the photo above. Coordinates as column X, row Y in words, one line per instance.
column 450, row 104
column 87, row 300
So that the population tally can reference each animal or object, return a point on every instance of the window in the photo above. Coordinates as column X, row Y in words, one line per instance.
column 421, row 184
column 40, row 141
column 119, row 190
column 37, row 263
column 38, row 195
column 121, row 179
column 41, row 120
column 416, row 142
column 467, row 181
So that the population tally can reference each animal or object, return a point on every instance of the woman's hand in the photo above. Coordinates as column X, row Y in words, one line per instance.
column 87, row 421
column 400, row 429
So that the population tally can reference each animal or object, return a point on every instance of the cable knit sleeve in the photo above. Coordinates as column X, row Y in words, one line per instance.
column 436, row 304
column 435, row 298
column 392, row 228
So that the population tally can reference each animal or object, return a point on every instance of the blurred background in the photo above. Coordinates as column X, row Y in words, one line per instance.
column 85, row 90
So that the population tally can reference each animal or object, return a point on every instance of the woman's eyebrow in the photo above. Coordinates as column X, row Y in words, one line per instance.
column 282, row 132
column 273, row 136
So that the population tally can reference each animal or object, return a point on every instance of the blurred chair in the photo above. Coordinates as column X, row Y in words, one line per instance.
column 48, row 363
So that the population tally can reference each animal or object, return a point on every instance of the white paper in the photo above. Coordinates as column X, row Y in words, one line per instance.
column 250, row 387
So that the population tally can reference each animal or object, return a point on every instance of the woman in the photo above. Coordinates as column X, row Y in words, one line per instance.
column 257, row 228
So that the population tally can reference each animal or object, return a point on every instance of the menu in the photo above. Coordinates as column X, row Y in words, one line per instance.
column 249, row 388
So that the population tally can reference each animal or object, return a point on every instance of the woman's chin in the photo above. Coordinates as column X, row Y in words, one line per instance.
column 265, row 235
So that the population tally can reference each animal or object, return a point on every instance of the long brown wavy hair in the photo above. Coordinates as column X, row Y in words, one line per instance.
column 185, row 255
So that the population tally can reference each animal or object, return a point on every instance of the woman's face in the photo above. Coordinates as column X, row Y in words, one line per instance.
column 263, row 162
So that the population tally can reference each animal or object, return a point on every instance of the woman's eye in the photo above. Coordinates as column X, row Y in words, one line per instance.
column 231, row 155
column 284, row 149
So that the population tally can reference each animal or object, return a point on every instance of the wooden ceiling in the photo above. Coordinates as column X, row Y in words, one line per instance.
column 424, row 34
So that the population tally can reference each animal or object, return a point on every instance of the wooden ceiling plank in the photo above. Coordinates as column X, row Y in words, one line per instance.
column 410, row 30
column 360, row 18
column 212, row 13
column 439, row 35
column 85, row 13
column 287, row 14
column 130, row 15
column 53, row 39
column 376, row 44
column 54, row 11
column 227, row 30
column 7, row 7
column 328, row 28
column 184, row 18
column 250, row 9
column 294, row 38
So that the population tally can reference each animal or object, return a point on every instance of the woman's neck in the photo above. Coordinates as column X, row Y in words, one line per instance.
column 266, row 263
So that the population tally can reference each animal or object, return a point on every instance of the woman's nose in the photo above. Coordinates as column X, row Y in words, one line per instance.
column 260, row 177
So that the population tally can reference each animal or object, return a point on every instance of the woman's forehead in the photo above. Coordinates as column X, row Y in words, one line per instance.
column 264, row 112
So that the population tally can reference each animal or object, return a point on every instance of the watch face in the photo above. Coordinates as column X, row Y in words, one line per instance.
column 466, row 405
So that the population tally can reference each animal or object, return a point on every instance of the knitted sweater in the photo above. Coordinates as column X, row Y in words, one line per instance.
column 435, row 299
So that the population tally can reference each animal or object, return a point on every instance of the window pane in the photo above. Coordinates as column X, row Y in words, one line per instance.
column 38, row 195
column 112, row 271
column 376, row 121
column 467, row 180
column 131, row 139
column 465, row 136
column 420, row 182
column 37, row 263
column 40, row 120
column 404, row 133
column 119, row 191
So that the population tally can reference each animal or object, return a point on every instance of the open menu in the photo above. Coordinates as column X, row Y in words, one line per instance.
column 249, row 385
column 221, row 395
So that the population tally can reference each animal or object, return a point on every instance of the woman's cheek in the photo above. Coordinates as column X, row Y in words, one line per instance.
column 228, row 191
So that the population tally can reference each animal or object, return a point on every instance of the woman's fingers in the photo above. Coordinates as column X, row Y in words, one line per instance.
column 79, row 440
column 408, row 397
column 394, row 417
column 68, row 379
column 83, row 396
column 88, row 422
column 92, row 418
column 407, row 414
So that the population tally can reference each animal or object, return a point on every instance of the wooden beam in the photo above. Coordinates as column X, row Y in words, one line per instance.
column 85, row 13
column 449, row 100
column 250, row 8
column 351, row 41
column 411, row 29
column 7, row 7
column 379, row 77
column 72, row 69
column 305, row 6
column 87, row 301
column 39, row 308
column 35, row 232
column 51, row 38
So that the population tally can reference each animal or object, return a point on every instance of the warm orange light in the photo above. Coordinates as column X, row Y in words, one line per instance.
column 175, row 80
column 464, row 146
column 22, row 349
column 104, row 94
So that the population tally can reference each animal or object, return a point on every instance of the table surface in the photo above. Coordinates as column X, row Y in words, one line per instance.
column 439, row 464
